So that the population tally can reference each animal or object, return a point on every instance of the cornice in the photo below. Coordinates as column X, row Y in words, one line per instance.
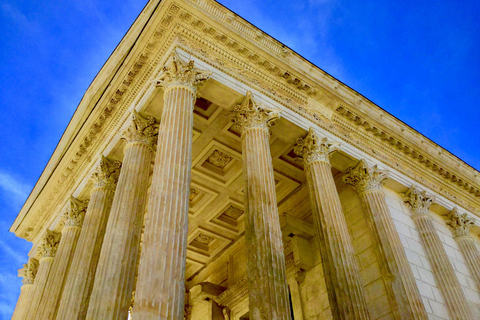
column 228, row 43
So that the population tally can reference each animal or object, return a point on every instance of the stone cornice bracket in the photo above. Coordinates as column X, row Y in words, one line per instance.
column 365, row 178
column 28, row 271
column 48, row 246
column 106, row 174
column 459, row 223
column 312, row 148
column 142, row 130
column 76, row 213
column 252, row 115
column 418, row 201
column 177, row 73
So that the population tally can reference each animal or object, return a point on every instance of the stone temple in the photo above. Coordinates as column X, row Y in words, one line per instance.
column 211, row 173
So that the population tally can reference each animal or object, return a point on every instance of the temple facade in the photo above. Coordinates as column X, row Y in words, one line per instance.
column 211, row 173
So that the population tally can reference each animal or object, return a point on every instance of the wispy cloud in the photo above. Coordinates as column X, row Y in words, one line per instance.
column 17, row 190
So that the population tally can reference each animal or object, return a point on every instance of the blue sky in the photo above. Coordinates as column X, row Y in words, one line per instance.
column 419, row 60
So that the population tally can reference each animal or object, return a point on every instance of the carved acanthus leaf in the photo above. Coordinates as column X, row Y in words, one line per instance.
column 250, row 114
column 107, row 173
column 143, row 130
column 75, row 213
column 365, row 178
column 28, row 271
column 179, row 73
column 418, row 200
column 48, row 246
column 219, row 159
column 313, row 148
column 459, row 223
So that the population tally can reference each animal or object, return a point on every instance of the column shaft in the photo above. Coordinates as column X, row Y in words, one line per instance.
column 38, row 289
column 54, row 286
column 114, row 278
column 399, row 276
column 442, row 267
column 161, row 277
column 340, row 266
column 267, row 281
column 472, row 256
column 23, row 302
column 79, row 284
column 160, row 289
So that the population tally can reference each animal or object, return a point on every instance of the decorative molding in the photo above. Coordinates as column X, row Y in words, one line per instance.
column 48, row 246
column 251, row 115
column 459, row 223
column 76, row 213
column 312, row 148
column 106, row 174
column 418, row 201
column 365, row 178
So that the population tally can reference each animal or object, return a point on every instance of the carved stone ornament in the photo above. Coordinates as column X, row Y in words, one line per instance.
column 28, row 271
column 107, row 173
column 48, row 246
column 250, row 114
column 418, row 200
column 219, row 159
column 177, row 73
column 365, row 178
column 76, row 213
column 312, row 148
column 143, row 130
column 459, row 223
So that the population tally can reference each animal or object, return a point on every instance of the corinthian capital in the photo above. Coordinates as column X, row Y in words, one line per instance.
column 250, row 114
column 28, row 271
column 143, row 130
column 365, row 178
column 48, row 246
column 418, row 200
column 459, row 223
column 107, row 173
column 312, row 148
column 177, row 73
column 75, row 214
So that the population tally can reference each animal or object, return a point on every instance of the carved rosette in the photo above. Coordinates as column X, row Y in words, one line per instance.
column 177, row 73
column 250, row 114
column 312, row 148
column 142, row 130
column 459, row 223
column 48, row 246
column 28, row 271
column 365, row 178
column 106, row 174
column 418, row 201
column 76, row 213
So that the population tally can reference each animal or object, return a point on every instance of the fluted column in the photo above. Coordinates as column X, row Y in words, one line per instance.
column 267, row 282
column 341, row 269
column 115, row 274
column 442, row 268
column 401, row 286
column 79, row 284
column 73, row 219
column 28, row 273
column 460, row 225
column 160, row 289
column 47, row 250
